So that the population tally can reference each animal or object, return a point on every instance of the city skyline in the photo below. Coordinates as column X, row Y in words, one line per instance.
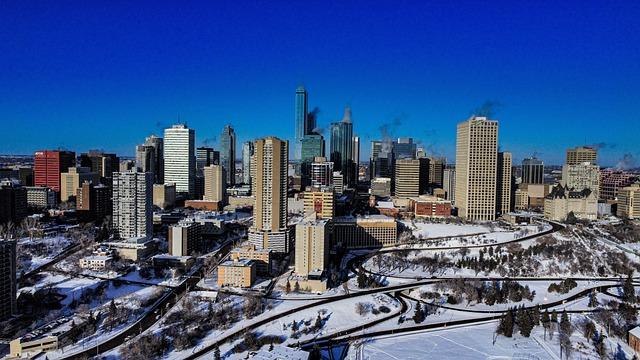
column 436, row 87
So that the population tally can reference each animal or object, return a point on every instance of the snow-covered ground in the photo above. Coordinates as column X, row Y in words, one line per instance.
column 35, row 252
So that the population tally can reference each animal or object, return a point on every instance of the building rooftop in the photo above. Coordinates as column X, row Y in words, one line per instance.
column 239, row 262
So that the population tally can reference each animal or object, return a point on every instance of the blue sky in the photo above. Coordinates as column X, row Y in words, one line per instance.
column 93, row 74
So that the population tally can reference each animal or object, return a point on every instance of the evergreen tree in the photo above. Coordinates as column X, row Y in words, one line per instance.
column 565, row 324
column 296, row 287
column 418, row 316
column 554, row 317
column 545, row 318
column 362, row 280
column 593, row 300
column 505, row 327
column 287, row 289
column 628, row 291
column 216, row 353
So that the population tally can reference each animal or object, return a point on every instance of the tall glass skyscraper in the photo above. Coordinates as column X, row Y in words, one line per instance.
column 228, row 153
column 301, row 120
column 247, row 153
column 341, row 150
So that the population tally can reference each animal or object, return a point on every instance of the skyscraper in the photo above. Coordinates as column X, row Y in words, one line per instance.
column 342, row 147
column 312, row 246
column 269, row 230
column 8, row 283
column 376, row 147
column 146, row 159
column 104, row 164
column 312, row 147
column 404, row 148
column 301, row 120
column 247, row 153
column 449, row 183
column 204, row 158
column 71, row 180
column 578, row 177
column 49, row 164
column 407, row 178
column 436, row 172
column 356, row 157
column 532, row 171
column 582, row 154
column 214, row 180
column 476, row 168
column 179, row 158
column 321, row 173
column 228, row 153
column 133, row 204
column 503, row 183
column 158, row 145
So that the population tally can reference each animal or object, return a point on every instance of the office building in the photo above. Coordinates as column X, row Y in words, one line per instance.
column 424, row 175
column 449, row 183
column 13, row 201
column 436, row 172
column 341, row 150
column 356, row 157
column 304, row 123
column 476, row 168
column 504, row 183
column 365, row 231
column 428, row 206
column 611, row 181
column 49, row 164
column 261, row 257
column 321, row 173
column 629, row 202
column 39, row 197
column 532, row 171
column 156, row 165
column 320, row 201
column 404, row 148
column 204, row 158
column 312, row 246
column 269, row 229
column 164, row 195
column 93, row 202
column 240, row 273
column 582, row 176
column 338, row 182
column 407, row 178
column 71, row 180
column 104, row 164
column 247, row 154
column 132, row 205
column 214, row 180
column 381, row 187
column 185, row 238
column 582, row 154
column 180, row 159
column 312, row 147
column 228, row 154
column 8, row 284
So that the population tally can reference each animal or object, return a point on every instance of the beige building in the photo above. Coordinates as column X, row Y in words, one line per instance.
column 363, row 232
column 312, row 246
column 134, row 249
column 269, row 229
column 521, row 199
column 582, row 176
column 407, row 178
column 95, row 262
column 164, row 195
column 381, row 187
column 582, row 154
column 503, row 183
column 320, row 201
column 476, row 168
column 185, row 238
column 241, row 273
column 629, row 202
column 562, row 201
column 27, row 347
column 73, row 179
column 214, row 184
column 262, row 257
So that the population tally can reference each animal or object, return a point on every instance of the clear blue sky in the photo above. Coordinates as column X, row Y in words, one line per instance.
column 105, row 74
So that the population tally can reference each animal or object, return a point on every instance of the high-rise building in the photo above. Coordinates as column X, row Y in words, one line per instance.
column 312, row 246
column 247, row 153
column 164, row 195
column 629, row 202
column 476, row 168
column 503, row 183
column 407, row 178
column 179, row 158
column 321, row 173
column 404, row 148
column 380, row 187
column 269, row 230
column 376, row 147
column 133, row 205
column 146, row 160
column 302, row 116
column 49, row 164
column 582, row 154
column 449, row 184
column 356, row 157
column 158, row 150
column 228, row 153
column 104, row 164
column 13, row 201
column 312, row 147
column 8, row 283
column 338, row 182
column 214, row 180
column 424, row 174
column 71, row 180
column 611, row 181
column 185, row 238
column 436, row 172
column 94, row 201
column 320, row 201
column 532, row 171
column 204, row 158
column 578, row 177
column 342, row 148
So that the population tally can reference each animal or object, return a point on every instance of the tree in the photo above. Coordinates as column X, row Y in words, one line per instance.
column 287, row 288
column 505, row 326
column 593, row 300
column 318, row 324
column 524, row 322
column 216, row 353
column 418, row 316
column 362, row 280
column 296, row 287
column 628, row 291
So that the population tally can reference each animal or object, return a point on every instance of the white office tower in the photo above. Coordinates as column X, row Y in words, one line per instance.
column 247, row 153
column 132, row 204
column 180, row 158
column 269, row 229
